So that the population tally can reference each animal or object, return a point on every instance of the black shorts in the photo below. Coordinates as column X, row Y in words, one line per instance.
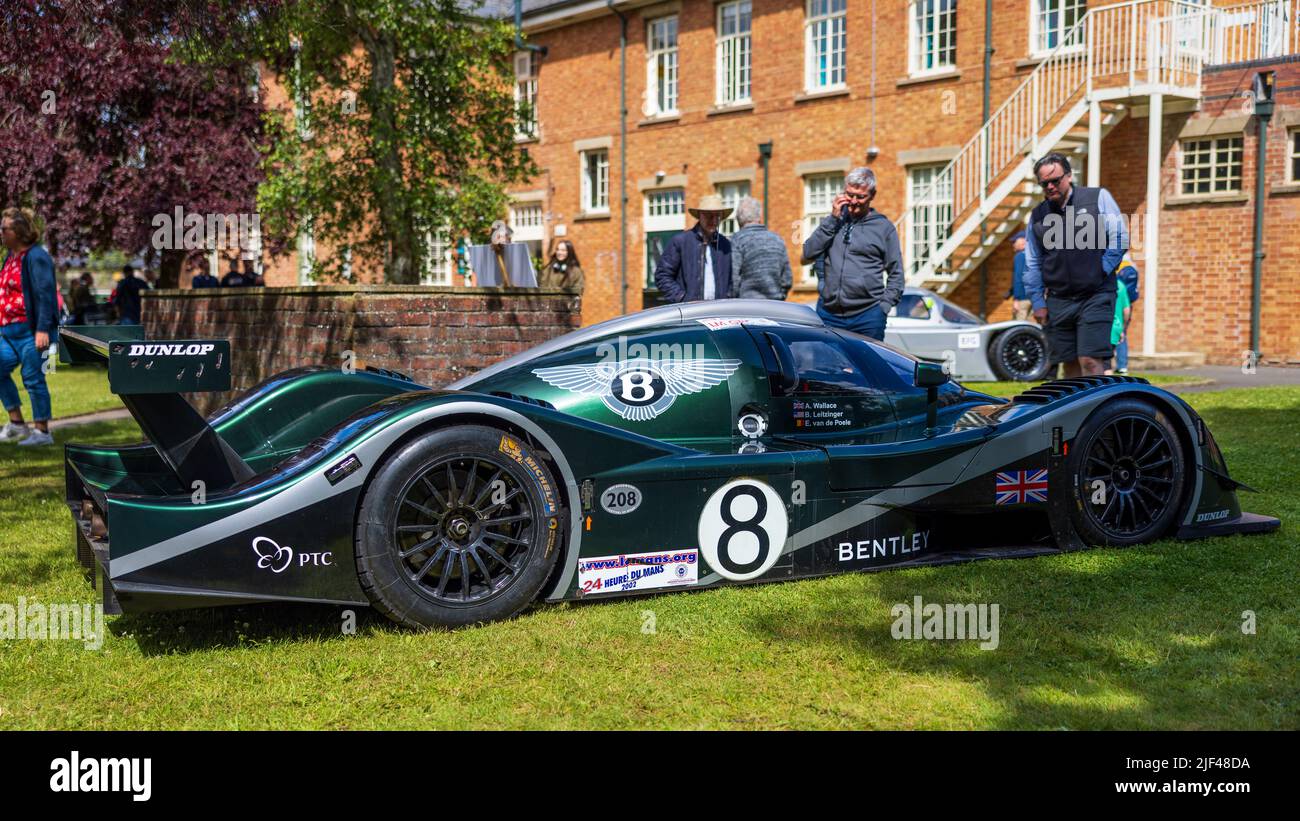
column 1081, row 327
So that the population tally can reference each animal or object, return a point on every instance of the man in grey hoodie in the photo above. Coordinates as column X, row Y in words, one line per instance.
column 863, row 277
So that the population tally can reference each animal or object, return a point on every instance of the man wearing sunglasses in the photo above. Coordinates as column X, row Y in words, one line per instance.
column 862, row 276
column 1075, row 241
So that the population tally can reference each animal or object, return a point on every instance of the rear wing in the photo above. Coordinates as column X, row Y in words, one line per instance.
column 150, row 376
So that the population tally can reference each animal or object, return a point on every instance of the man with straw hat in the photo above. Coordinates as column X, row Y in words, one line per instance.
column 696, row 264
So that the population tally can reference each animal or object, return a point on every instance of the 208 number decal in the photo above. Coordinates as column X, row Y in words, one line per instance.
column 742, row 529
column 620, row 499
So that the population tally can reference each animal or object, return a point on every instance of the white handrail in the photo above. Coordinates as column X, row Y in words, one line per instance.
column 1102, row 44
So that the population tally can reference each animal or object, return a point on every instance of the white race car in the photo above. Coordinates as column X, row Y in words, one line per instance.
column 930, row 327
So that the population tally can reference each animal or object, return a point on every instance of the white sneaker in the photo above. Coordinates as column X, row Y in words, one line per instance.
column 37, row 438
column 12, row 432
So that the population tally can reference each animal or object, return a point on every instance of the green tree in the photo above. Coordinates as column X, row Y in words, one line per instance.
column 403, row 122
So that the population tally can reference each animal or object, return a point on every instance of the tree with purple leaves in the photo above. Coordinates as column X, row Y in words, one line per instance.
column 106, row 131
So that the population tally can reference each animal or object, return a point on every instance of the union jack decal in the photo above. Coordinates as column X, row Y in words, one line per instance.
column 1019, row 486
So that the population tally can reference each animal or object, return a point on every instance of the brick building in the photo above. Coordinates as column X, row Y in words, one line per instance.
column 714, row 90
column 778, row 99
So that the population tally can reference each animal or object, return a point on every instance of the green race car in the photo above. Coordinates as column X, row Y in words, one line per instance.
column 689, row 446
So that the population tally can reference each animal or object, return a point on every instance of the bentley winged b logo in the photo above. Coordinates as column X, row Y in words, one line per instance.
column 639, row 389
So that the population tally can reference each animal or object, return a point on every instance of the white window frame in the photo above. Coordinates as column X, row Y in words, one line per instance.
column 819, row 192
column 528, row 221
column 439, row 257
column 734, row 63
column 594, row 202
column 1218, row 143
column 1039, row 37
column 661, row 97
column 1293, row 155
column 828, row 20
column 930, row 206
column 597, row 201
column 664, row 209
column 932, row 36
column 732, row 192
column 526, row 94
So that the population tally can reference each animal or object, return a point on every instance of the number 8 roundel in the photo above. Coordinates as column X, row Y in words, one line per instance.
column 742, row 529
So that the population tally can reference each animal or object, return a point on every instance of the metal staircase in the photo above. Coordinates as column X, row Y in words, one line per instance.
column 1115, row 56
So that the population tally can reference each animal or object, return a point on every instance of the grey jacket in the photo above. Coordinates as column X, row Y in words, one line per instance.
column 865, row 271
column 760, row 266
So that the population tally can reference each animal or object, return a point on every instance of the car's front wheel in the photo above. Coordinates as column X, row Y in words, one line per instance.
column 1019, row 354
column 459, row 527
column 1131, row 474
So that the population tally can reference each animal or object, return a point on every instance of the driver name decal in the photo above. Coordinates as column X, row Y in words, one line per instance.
column 822, row 415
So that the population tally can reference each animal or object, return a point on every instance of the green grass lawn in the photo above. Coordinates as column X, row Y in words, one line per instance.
column 1139, row 638
column 74, row 390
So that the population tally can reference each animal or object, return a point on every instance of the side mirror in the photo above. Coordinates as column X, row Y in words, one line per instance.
column 929, row 375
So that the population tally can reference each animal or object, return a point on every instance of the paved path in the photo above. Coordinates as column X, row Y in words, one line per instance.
column 87, row 418
column 1230, row 376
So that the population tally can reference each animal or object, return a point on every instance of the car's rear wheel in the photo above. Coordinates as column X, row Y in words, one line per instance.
column 1019, row 354
column 458, row 527
column 1131, row 472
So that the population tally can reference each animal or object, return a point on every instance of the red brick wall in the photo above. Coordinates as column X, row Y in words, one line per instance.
column 578, row 99
column 1206, row 248
column 434, row 335
column 1205, row 270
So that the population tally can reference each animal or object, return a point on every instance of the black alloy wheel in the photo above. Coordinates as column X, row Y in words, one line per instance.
column 1020, row 354
column 463, row 529
column 1131, row 474
column 460, row 526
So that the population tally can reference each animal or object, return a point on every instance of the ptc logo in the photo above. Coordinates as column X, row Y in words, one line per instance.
column 277, row 558
column 271, row 556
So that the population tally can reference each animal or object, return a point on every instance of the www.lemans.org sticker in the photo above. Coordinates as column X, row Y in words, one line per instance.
column 638, row 571
column 511, row 448
column 640, row 389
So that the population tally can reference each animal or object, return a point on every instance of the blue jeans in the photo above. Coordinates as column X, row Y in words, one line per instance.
column 870, row 322
column 1121, row 355
column 18, row 347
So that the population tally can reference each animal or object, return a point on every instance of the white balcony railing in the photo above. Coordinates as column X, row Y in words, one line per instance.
column 1117, row 50
column 1263, row 30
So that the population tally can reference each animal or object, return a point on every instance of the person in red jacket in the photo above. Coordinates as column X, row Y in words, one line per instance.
column 28, row 321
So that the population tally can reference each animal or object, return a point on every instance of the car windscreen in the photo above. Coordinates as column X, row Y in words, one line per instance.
column 894, row 369
column 951, row 313
column 912, row 306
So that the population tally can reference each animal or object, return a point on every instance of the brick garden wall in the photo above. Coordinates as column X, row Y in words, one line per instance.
column 435, row 335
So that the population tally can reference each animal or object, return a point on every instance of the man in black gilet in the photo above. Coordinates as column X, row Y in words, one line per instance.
column 1076, row 240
